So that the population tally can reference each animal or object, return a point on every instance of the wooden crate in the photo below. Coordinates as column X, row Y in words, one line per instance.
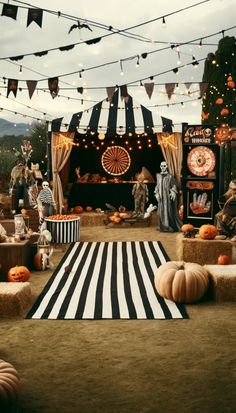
column 11, row 254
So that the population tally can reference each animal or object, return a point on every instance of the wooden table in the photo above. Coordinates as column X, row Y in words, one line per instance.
column 12, row 254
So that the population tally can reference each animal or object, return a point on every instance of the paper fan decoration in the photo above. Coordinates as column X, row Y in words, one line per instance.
column 116, row 160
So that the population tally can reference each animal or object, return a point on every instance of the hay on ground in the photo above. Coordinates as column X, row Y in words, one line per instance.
column 202, row 251
column 15, row 298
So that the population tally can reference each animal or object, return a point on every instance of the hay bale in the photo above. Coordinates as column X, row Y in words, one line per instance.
column 15, row 298
column 202, row 251
column 222, row 282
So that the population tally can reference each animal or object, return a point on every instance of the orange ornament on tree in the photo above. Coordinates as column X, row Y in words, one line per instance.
column 205, row 115
column 230, row 82
column 224, row 112
column 219, row 101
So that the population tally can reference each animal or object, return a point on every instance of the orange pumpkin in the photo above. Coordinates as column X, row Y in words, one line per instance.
column 183, row 282
column 116, row 214
column 89, row 209
column 208, row 231
column 219, row 101
column 223, row 259
column 224, row 112
column 78, row 209
column 116, row 219
column 187, row 228
column 19, row 273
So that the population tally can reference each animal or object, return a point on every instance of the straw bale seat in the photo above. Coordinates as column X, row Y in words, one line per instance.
column 202, row 251
column 15, row 298
column 222, row 282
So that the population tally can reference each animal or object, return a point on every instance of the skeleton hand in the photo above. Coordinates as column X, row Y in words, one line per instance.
column 200, row 204
column 172, row 195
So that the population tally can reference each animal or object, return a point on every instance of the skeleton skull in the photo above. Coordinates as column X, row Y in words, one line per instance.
column 163, row 167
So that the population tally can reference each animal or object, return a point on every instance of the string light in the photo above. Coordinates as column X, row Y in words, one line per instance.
column 163, row 22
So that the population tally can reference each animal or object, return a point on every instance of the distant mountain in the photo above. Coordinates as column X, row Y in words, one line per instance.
column 10, row 128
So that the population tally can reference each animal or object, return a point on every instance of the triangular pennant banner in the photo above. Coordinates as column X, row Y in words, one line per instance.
column 31, row 84
column 124, row 93
column 170, row 87
column 9, row 10
column 35, row 15
column 149, row 87
column 188, row 85
column 203, row 88
column 110, row 92
column 12, row 86
column 53, row 86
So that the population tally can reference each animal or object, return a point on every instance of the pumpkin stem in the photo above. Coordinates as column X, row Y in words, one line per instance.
column 181, row 267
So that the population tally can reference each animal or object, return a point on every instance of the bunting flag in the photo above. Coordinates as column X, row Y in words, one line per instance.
column 115, row 118
column 80, row 90
column 31, row 84
column 203, row 88
column 110, row 92
column 170, row 87
column 35, row 15
column 53, row 86
column 124, row 93
column 9, row 10
column 12, row 86
column 149, row 87
column 188, row 85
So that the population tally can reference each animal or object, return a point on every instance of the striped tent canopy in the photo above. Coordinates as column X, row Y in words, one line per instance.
column 115, row 117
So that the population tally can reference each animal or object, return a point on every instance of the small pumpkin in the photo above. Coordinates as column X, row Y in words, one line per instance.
column 9, row 386
column 116, row 219
column 208, row 231
column 116, row 214
column 224, row 112
column 187, row 228
column 40, row 261
column 89, row 209
column 223, row 259
column 183, row 282
column 78, row 209
column 19, row 273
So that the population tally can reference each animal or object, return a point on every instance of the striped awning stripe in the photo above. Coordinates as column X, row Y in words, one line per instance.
column 116, row 117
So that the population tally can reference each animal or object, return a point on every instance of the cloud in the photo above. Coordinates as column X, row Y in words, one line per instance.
column 210, row 17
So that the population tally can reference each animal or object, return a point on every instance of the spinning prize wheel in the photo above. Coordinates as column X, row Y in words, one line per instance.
column 116, row 160
column 201, row 160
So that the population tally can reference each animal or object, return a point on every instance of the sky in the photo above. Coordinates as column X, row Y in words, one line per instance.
column 205, row 19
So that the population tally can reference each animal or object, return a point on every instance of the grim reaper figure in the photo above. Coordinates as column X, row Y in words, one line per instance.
column 166, row 196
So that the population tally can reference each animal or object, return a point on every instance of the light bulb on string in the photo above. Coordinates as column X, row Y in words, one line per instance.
column 163, row 22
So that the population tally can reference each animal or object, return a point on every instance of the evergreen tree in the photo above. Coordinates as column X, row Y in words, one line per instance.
column 219, row 104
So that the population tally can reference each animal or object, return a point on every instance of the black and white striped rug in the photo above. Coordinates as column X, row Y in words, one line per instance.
column 106, row 280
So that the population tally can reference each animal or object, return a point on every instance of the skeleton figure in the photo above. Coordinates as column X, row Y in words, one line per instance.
column 140, row 193
column 166, row 196
column 45, row 201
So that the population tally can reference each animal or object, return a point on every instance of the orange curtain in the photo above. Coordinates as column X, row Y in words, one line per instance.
column 61, row 146
column 172, row 149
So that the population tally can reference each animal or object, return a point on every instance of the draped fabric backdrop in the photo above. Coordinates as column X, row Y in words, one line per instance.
column 61, row 145
column 171, row 146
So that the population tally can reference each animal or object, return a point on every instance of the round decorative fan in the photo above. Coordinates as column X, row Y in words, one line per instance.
column 116, row 160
